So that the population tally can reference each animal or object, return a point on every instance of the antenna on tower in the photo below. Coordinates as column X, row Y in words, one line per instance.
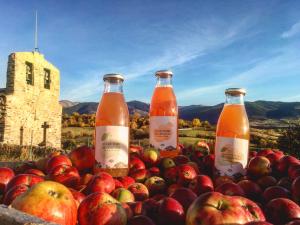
column 36, row 49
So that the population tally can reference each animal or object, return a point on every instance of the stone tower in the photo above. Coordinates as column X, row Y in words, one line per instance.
column 30, row 112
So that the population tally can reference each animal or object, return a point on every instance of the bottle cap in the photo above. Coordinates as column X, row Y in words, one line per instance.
column 235, row 91
column 113, row 77
column 164, row 73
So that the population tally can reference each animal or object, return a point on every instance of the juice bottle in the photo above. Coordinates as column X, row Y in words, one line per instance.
column 164, row 116
column 111, row 129
column 232, row 136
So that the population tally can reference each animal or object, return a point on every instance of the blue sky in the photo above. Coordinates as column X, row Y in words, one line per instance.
column 209, row 45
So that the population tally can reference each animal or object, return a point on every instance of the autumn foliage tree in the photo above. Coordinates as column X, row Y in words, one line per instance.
column 196, row 122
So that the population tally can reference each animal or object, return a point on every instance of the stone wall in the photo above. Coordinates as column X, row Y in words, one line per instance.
column 29, row 106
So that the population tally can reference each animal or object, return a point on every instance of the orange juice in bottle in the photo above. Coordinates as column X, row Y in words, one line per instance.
column 111, row 129
column 232, row 136
column 164, row 116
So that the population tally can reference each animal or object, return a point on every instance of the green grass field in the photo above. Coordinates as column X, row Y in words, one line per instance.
column 84, row 136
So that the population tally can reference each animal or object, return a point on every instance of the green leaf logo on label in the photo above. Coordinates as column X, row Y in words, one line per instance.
column 224, row 149
column 105, row 137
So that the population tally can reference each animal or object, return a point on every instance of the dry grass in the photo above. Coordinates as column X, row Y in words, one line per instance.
column 22, row 153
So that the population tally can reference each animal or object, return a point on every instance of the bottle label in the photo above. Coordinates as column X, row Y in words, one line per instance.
column 231, row 156
column 163, row 132
column 111, row 150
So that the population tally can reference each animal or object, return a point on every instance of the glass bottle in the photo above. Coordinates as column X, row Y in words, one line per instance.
column 112, row 129
column 232, row 136
column 164, row 116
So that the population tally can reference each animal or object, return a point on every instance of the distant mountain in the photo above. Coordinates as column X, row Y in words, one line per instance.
column 91, row 107
column 256, row 110
column 67, row 103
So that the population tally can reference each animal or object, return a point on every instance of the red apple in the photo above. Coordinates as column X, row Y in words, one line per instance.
column 275, row 192
column 259, row 166
column 26, row 179
column 6, row 174
column 231, row 189
column 266, row 181
column 50, row 201
column 118, row 184
column 172, row 188
column 195, row 166
column 181, row 159
column 292, row 169
column 209, row 163
column 295, row 174
column 85, row 179
column 186, row 173
column 57, row 161
column 136, row 164
column 223, row 179
column 139, row 190
column 139, row 175
column 66, row 175
column 78, row 196
column 171, row 175
column 123, row 195
column 170, row 211
column 265, row 152
column 140, row 220
column 82, row 158
column 101, row 209
column 14, row 192
column 278, row 152
column 284, row 163
column 126, row 181
column 35, row 172
column 296, row 190
column 274, row 158
column 281, row 211
column 184, row 196
column 214, row 208
column 103, row 182
column 252, row 190
column 153, row 171
column 201, row 184
column 155, row 185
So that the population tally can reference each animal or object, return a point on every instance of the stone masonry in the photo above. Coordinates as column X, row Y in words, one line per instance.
column 29, row 105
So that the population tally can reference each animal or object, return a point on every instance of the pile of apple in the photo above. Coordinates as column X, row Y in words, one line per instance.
column 169, row 191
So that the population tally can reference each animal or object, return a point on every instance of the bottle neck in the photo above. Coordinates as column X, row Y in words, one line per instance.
column 235, row 99
column 164, row 82
column 115, row 86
